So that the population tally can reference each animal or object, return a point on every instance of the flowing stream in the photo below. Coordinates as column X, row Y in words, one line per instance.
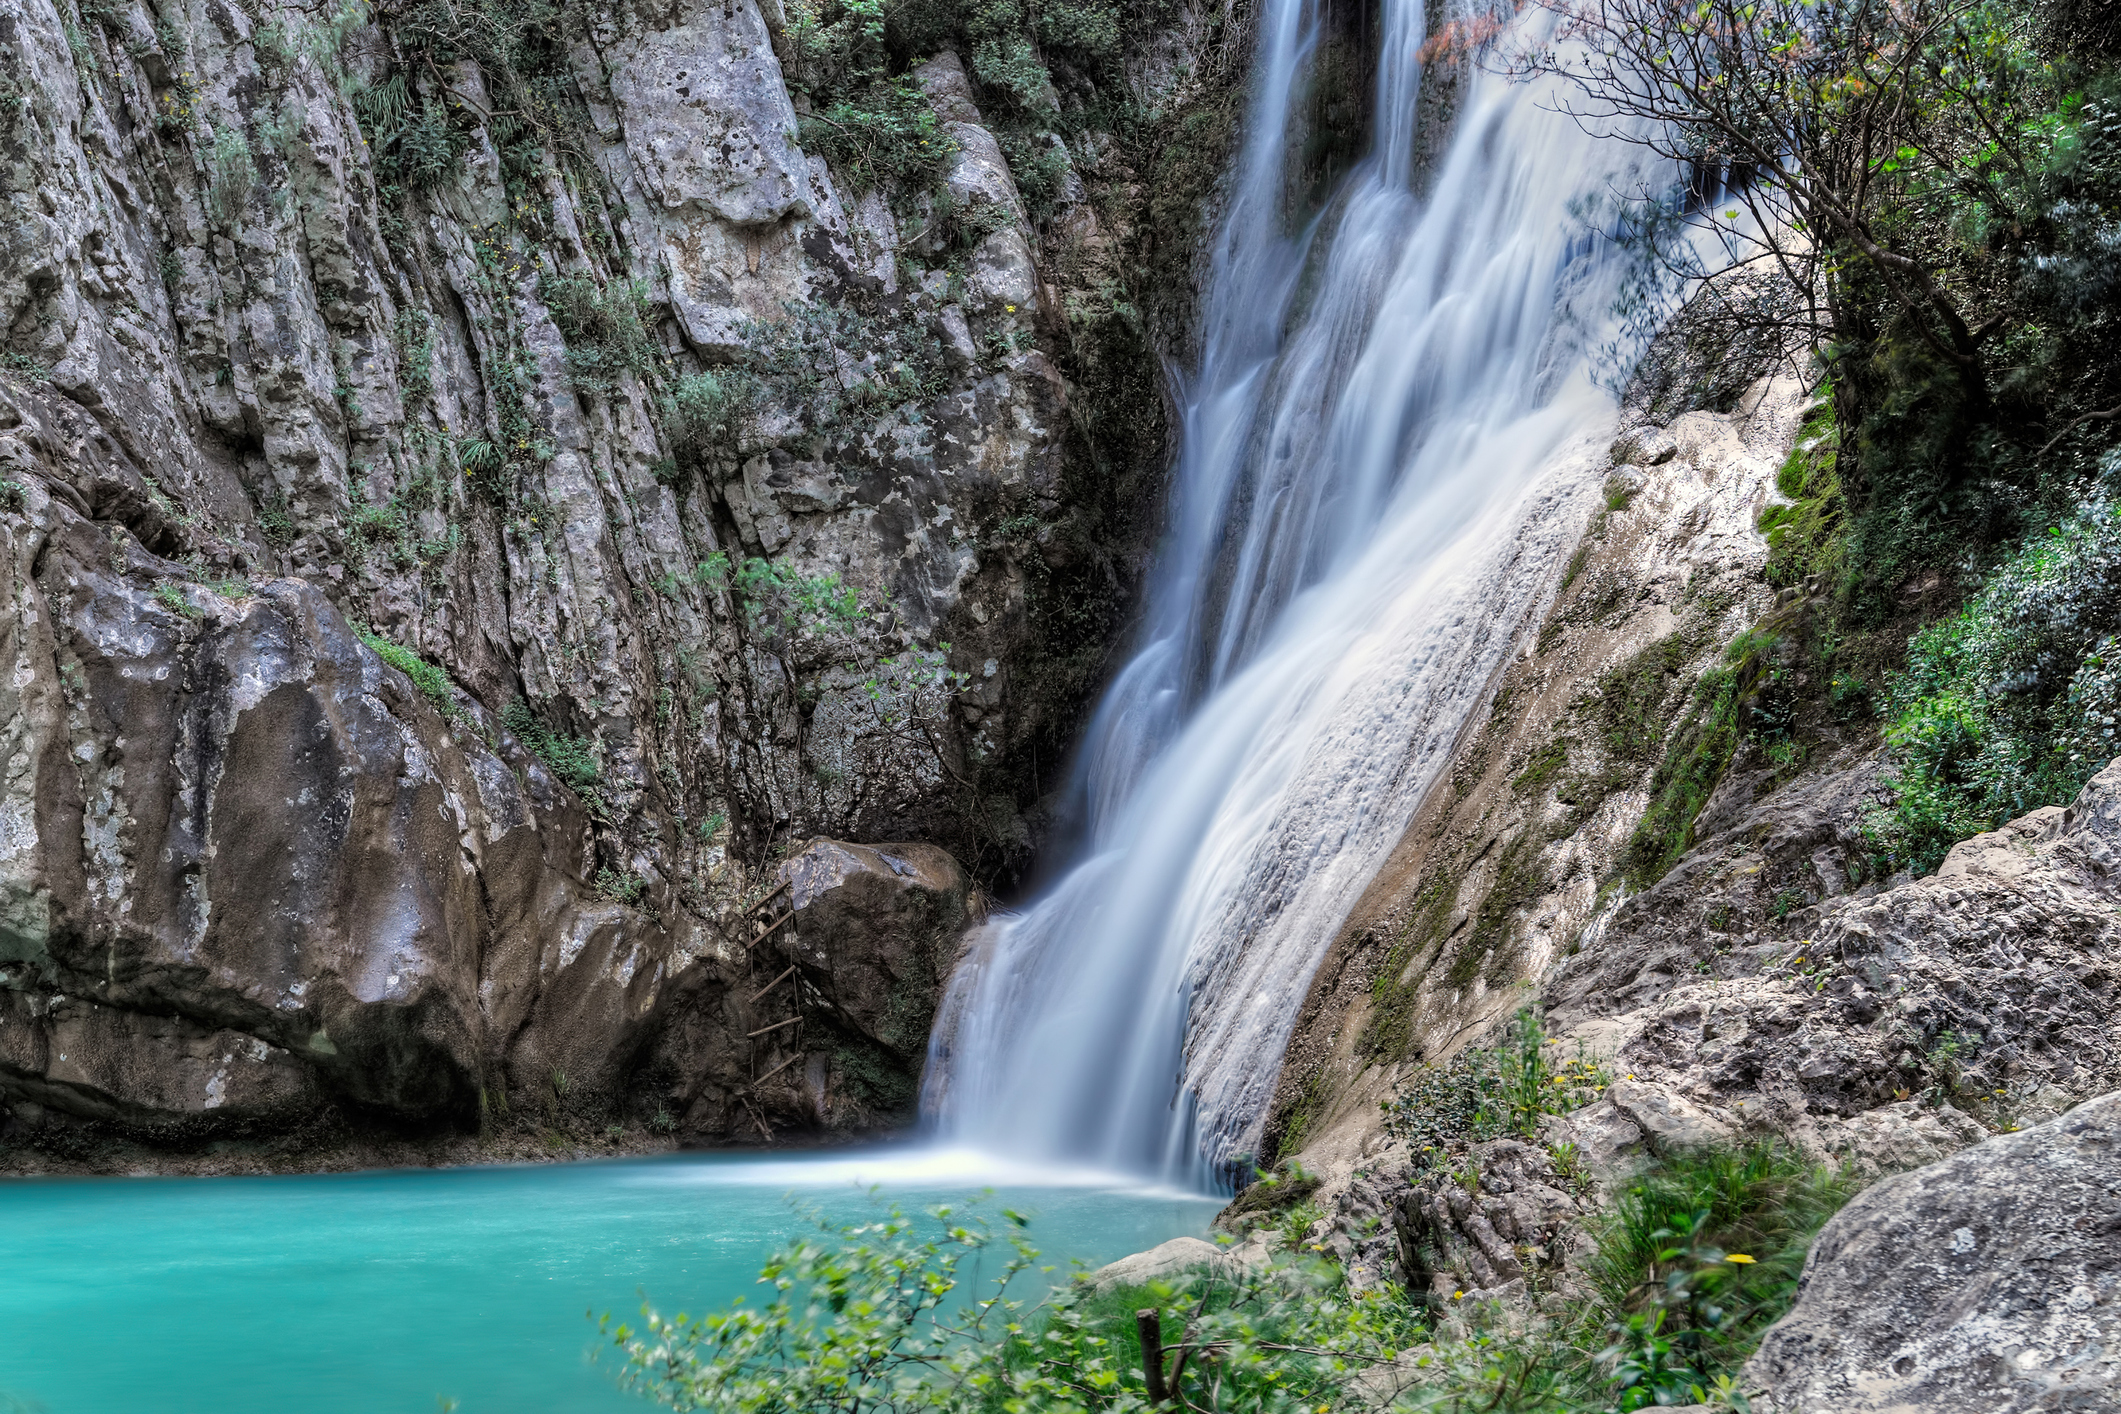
column 1387, row 447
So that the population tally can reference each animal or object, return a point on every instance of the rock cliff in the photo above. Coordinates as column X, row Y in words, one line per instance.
column 480, row 483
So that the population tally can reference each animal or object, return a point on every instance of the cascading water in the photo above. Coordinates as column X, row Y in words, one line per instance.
column 1369, row 504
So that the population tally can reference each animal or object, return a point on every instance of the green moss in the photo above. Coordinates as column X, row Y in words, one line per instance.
column 1520, row 877
column 1632, row 698
column 1542, row 766
column 1693, row 764
column 1388, row 1034
column 1804, row 537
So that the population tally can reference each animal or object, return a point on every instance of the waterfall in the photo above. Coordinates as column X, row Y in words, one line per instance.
column 1386, row 448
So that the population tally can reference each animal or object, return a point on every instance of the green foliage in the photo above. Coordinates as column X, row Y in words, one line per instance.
column 570, row 758
column 1699, row 1256
column 1271, row 1194
column 232, row 176
column 431, row 680
column 702, row 412
column 170, row 597
column 777, row 599
column 616, row 887
column 2010, row 703
column 25, row 367
column 885, row 136
column 1490, row 1093
column 827, row 361
column 605, row 327
column 418, row 123
column 901, row 1315
column 412, row 337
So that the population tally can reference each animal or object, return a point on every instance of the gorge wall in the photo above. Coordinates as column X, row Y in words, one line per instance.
column 477, row 492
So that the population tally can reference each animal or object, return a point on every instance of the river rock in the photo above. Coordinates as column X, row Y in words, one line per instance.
column 1986, row 1283
column 1167, row 1262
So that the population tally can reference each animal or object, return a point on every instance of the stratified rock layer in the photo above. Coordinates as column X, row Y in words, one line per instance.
column 1987, row 1283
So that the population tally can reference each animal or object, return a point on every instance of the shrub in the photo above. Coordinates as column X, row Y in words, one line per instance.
column 898, row 1315
column 2009, row 704
column 702, row 413
column 234, row 176
column 605, row 328
column 1490, row 1093
column 886, row 136
column 1696, row 1258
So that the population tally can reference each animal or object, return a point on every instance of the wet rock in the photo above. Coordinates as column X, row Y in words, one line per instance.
column 251, row 865
column 1986, row 1283
column 876, row 932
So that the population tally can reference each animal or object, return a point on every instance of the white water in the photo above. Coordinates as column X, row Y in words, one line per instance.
column 1370, row 503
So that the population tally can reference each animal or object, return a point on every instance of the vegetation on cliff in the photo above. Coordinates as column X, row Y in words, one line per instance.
column 1923, row 203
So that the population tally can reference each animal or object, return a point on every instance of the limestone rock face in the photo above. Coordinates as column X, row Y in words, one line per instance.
column 1986, row 1283
column 712, row 497
column 248, row 859
column 1486, row 1230
column 823, row 1022
column 1988, row 987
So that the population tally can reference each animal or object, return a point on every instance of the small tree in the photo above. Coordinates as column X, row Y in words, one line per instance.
column 1823, row 141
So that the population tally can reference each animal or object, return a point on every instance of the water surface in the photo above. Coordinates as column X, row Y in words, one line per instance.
column 373, row 1293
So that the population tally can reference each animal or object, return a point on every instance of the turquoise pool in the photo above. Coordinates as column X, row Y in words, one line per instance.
column 379, row 1293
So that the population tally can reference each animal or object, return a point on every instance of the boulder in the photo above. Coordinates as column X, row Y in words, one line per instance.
column 867, row 936
column 1167, row 1262
column 1986, row 1283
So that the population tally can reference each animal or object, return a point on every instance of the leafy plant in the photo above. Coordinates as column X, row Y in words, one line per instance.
column 605, row 327
column 903, row 1315
column 433, row 683
column 570, row 758
column 2012, row 702
column 170, row 597
column 1490, row 1093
